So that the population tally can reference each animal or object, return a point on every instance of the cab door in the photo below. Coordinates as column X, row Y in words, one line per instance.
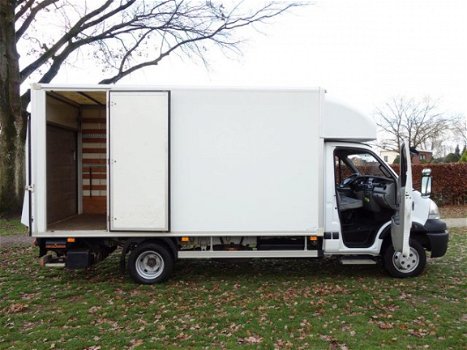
column 402, row 219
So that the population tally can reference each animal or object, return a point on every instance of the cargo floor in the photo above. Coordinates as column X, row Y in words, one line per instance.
column 82, row 222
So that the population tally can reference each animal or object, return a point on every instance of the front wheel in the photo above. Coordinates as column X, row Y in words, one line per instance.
column 401, row 266
column 150, row 263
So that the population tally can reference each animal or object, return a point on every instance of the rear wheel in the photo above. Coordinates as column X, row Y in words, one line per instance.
column 150, row 263
column 401, row 266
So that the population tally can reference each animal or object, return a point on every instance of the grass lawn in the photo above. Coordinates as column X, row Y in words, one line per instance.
column 11, row 226
column 305, row 304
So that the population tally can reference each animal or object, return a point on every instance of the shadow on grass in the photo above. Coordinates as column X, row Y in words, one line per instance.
column 259, row 270
column 271, row 268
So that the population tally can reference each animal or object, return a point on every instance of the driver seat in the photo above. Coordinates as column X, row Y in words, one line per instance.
column 348, row 203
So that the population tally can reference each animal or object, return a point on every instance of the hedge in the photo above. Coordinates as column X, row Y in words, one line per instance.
column 449, row 184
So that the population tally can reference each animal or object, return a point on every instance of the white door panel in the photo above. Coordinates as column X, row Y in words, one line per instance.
column 402, row 220
column 139, row 160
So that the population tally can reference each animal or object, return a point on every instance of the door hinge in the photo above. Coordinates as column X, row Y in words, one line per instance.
column 29, row 188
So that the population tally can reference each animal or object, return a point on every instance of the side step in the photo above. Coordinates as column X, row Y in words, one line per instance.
column 357, row 261
column 55, row 264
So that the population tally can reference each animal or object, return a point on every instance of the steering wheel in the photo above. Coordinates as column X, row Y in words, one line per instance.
column 349, row 180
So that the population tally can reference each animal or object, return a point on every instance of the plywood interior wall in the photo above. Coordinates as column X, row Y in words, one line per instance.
column 94, row 152
column 61, row 155
column 62, row 192
column 61, row 114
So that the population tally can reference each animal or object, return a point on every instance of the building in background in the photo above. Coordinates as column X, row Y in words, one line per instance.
column 423, row 156
column 388, row 156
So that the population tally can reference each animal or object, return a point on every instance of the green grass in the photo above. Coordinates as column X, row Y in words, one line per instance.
column 295, row 304
column 11, row 226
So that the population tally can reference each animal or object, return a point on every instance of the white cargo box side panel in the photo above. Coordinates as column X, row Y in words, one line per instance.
column 245, row 161
column 139, row 163
column 38, row 160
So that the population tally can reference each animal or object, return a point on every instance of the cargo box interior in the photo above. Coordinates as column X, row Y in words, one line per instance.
column 76, row 160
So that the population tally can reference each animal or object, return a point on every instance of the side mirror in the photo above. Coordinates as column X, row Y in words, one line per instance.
column 426, row 183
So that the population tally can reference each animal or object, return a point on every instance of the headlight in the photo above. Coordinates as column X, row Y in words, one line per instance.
column 433, row 213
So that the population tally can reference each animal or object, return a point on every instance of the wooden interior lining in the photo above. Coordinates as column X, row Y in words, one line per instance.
column 94, row 154
column 81, row 222
column 62, row 179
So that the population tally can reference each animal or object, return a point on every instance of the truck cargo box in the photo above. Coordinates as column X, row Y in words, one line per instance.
column 177, row 160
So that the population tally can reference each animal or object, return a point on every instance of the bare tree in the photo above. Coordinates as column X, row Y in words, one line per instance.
column 419, row 121
column 123, row 36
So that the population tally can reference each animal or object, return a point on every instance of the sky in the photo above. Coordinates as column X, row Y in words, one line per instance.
column 363, row 52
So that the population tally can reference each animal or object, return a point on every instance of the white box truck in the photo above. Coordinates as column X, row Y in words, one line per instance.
column 187, row 173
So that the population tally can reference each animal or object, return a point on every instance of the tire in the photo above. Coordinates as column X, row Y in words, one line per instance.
column 411, row 267
column 150, row 263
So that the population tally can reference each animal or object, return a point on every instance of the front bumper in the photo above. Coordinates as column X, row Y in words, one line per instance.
column 438, row 235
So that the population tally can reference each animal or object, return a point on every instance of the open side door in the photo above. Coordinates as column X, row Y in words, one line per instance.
column 402, row 220
column 26, row 215
column 139, row 160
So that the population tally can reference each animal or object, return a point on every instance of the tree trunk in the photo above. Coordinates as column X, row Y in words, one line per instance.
column 21, row 176
column 10, row 108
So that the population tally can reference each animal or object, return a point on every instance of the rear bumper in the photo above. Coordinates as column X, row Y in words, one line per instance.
column 438, row 235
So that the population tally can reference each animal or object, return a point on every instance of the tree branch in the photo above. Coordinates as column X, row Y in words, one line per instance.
column 419, row 121
column 27, row 22
column 26, row 5
column 125, row 33
column 64, row 39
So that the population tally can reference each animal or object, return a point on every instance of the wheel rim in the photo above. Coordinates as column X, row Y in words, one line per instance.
column 406, row 264
column 149, row 264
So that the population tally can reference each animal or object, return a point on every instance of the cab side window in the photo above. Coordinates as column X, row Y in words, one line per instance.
column 366, row 164
column 341, row 170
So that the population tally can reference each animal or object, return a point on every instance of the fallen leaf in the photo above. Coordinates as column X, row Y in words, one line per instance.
column 385, row 325
column 15, row 308
column 252, row 339
column 94, row 309
column 135, row 343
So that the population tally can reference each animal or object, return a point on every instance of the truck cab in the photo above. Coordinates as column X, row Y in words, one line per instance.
column 371, row 210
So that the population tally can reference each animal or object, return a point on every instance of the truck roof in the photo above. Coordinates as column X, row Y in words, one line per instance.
column 84, row 87
column 340, row 122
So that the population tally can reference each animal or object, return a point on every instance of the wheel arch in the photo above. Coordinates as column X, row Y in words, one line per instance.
column 417, row 233
column 170, row 243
